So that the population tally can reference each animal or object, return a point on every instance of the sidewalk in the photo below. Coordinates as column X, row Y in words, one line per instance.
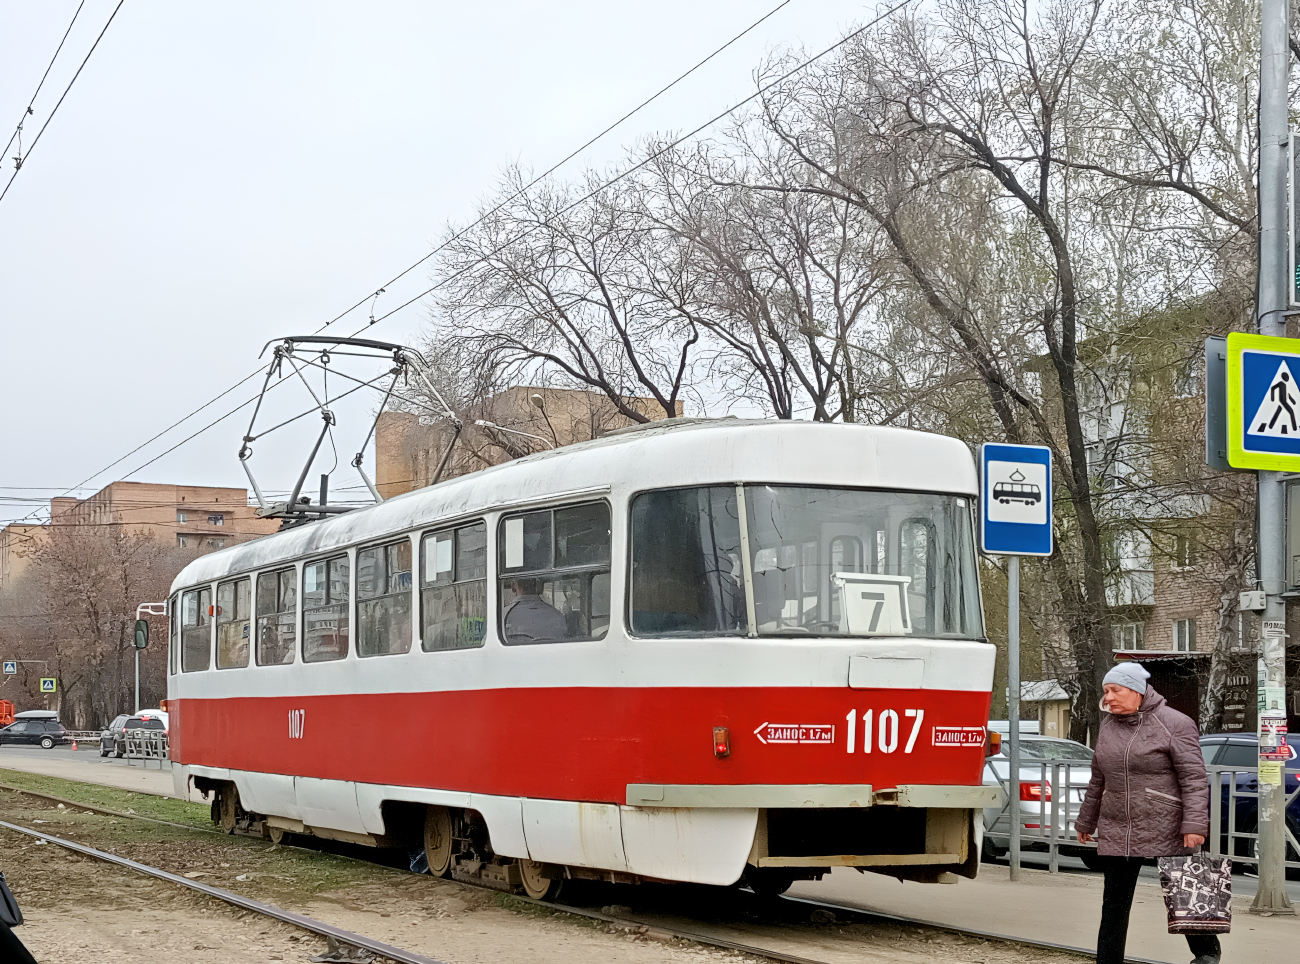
column 89, row 767
column 1060, row 908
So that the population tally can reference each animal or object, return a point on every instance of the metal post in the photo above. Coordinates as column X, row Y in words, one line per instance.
column 1274, row 71
column 1013, row 709
column 137, row 681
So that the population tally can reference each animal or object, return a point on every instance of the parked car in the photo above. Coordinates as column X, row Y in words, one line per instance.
column 108, row 739
column 1034, row 805
column 146, row 720
column 1241, row 752
column 43, row 732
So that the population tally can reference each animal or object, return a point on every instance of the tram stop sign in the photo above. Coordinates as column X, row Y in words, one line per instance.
column 1263, row 402
column 1015, row 499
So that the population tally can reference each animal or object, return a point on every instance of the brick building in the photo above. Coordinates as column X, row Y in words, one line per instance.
column 511, row 424
column 17, row 543
column 198, row 517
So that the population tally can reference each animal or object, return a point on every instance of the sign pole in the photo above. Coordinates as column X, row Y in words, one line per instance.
column 137, row 680
column 1013, row 710
column 1015, row 521
column 1274, row 287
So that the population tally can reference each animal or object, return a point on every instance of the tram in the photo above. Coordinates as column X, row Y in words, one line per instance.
column 695, row 650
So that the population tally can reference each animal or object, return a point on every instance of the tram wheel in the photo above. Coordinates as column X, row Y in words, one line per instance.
column 228, row 807
column 437, row 840
column 535, row 884
column 768, row 881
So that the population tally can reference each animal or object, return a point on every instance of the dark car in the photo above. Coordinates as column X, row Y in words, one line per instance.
column 43, row 733
column 1241, row 752
column 108, row 740
column 149, row 722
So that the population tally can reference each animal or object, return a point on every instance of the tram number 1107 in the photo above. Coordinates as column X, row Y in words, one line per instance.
column 885, row 731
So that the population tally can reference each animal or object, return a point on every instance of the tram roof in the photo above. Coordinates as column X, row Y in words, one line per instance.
column 663, row 454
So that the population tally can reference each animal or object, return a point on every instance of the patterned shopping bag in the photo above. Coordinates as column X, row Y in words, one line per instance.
column 1198, row 893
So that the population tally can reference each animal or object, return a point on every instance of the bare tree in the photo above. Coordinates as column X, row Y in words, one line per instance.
column 787, row 280
column 75, row 609
column 562, row 282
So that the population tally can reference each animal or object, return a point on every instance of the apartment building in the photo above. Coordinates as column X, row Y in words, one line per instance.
column 508, row 425
column 190, row 516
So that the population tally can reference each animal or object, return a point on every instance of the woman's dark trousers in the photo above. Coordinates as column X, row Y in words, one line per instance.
column 11, row 948
column 1121, row 880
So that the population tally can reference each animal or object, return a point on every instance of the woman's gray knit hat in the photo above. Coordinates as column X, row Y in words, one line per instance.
column 1132, row 675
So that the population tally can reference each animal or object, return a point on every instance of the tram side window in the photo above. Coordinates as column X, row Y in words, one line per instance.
column 554, row 569
column 276, row 617
column 687, row 578
column 234, row 600
column 325, row 610
column 196, row 630
column 453, row 593
column 174, row 645
column 384, row 599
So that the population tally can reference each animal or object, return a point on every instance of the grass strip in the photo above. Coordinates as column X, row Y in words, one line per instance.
column 195, row 815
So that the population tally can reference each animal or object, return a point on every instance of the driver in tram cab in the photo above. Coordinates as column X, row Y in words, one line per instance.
column 530, row 618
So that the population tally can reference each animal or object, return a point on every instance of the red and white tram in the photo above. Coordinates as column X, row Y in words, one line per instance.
column 690, row 651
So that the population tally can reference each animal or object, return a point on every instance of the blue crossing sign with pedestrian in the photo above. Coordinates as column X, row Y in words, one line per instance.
column 48, row 684
column 1016, row 499
column 1263, row 402
column 11, row 667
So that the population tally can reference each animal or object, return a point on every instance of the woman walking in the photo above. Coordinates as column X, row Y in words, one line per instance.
column 1148, row 797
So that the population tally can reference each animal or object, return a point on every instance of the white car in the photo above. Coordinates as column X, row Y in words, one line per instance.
column 1044, row 760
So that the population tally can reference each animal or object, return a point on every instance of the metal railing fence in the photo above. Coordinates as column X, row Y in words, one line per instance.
column 1234, row 800
column 1046, row 822
column 146, row 745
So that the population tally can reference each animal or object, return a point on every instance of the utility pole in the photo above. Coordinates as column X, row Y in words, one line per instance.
column 1274, row 72
column 1013, row 711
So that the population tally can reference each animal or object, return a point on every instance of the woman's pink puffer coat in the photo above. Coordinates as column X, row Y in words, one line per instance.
column 1148, row 784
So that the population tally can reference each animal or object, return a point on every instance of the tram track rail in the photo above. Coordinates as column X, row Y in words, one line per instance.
column 641, row 923
column 337, row 935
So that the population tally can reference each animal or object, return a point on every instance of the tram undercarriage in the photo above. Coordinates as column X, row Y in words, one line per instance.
column 923, row 844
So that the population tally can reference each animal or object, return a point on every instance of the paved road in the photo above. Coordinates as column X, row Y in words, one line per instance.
column 88, row 766
column 1243, row 884
column 1063, row 908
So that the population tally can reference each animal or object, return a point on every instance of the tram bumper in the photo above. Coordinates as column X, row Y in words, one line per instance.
column 924, row 832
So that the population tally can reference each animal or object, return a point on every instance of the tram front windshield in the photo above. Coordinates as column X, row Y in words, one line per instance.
column 824, row 562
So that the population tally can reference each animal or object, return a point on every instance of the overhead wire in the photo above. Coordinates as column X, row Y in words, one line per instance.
column 84, row 61
column 186, row 418
column 640, row 164
column 549, row 171
column 628, row 172
column 28, row 111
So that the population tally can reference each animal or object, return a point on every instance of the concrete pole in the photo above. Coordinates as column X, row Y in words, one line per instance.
column 1274, row 71
column 1013, row 710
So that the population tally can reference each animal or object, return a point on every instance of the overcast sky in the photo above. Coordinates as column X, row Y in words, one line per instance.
column 223, row 173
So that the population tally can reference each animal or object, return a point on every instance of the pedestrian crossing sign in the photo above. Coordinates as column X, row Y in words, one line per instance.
column 48, row 684
column 1263, row 402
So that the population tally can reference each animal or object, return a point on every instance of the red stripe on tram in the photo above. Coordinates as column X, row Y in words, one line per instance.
column 589, row 743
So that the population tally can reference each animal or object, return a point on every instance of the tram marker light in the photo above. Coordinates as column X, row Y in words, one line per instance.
column 993, row 745
column 721, row 742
